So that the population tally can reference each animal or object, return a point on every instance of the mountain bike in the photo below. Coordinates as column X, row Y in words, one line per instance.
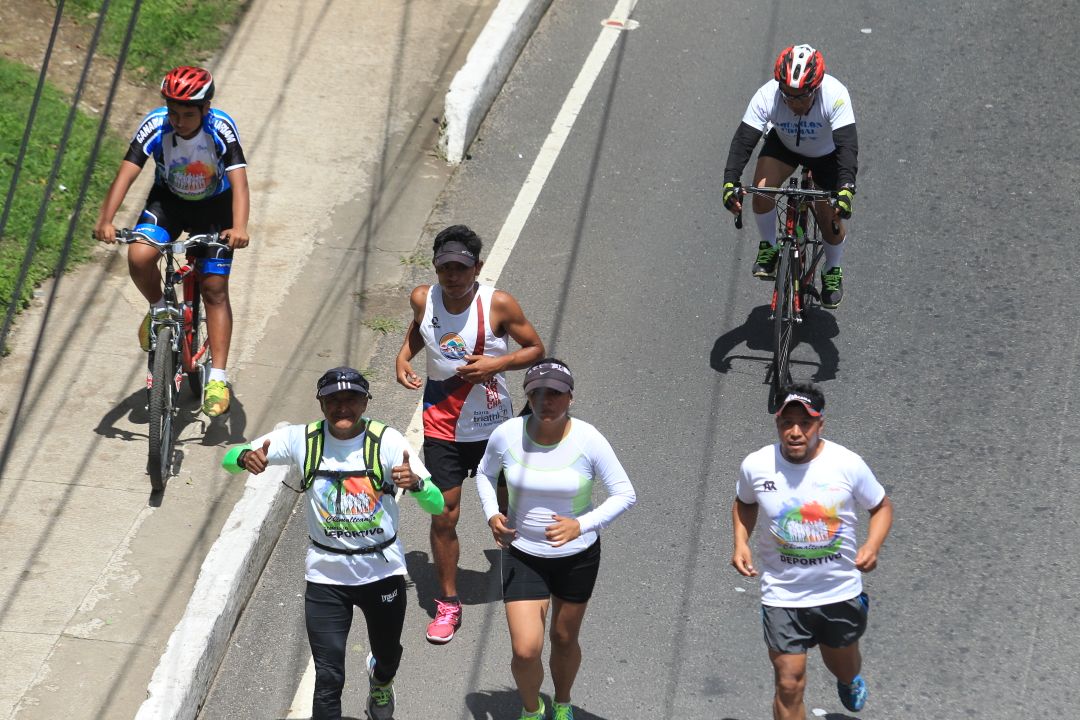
column 800, row 249
column 179, row 345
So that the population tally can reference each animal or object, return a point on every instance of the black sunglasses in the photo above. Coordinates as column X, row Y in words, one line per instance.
column 800, row 96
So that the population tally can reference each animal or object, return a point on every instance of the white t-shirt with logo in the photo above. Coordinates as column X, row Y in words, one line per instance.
column 806, row 523
column 347, row 512
column 809, row 135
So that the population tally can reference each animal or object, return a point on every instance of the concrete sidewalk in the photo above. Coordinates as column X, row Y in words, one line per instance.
column 337, row 105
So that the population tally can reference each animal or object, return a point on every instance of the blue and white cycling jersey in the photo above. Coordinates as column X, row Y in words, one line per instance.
column 191, row 169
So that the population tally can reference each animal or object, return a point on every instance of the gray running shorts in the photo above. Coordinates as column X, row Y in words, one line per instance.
column 793, row 631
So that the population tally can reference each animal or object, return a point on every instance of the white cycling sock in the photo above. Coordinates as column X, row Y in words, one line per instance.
column 833, row 254
column 216, row 374
column 766, row 225
column 159, row 305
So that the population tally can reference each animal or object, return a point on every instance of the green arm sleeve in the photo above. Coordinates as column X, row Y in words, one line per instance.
column 430, row 499
column 229, row 461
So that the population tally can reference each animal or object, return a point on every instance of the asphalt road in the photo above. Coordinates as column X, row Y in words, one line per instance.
column 950, row 367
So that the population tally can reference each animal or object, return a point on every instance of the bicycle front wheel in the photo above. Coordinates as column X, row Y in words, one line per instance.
column 783, row 324
column 159, row 460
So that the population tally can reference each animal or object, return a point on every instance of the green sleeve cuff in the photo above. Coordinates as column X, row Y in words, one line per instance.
column 229, row 461
column 430, row 499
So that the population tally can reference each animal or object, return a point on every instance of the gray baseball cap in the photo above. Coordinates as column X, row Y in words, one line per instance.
column 553, row 375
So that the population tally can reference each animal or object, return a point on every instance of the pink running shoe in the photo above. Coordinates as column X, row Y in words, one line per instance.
column 447, row 620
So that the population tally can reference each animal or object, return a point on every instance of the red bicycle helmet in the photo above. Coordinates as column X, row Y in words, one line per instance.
column 188, row 84
column 800, row 66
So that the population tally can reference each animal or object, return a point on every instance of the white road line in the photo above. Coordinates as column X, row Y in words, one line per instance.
column 549, row 153
column 508, row 236
column 302, row 700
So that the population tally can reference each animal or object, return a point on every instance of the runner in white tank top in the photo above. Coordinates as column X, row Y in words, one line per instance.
column 454, row 408
column 464, row 327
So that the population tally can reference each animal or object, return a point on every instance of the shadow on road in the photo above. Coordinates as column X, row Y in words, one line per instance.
column 225, row 430
column 506, row 703
column 818, row 329
column 474, row 588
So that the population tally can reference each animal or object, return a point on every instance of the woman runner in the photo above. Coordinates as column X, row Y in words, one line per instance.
column 550, row 541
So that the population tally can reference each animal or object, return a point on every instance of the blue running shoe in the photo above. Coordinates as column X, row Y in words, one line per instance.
column 853, row 696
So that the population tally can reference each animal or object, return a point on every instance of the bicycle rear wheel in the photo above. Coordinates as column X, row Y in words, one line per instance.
column 783, row 324
column 159, row 460
column 196, row 355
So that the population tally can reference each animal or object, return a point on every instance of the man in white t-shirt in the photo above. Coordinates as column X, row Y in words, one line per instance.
column 811, row 567
column 807, row 120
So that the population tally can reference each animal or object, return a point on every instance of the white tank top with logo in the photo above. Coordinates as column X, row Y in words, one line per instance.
column 455, row 409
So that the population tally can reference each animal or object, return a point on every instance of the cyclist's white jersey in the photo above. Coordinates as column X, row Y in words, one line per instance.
column 809, row 135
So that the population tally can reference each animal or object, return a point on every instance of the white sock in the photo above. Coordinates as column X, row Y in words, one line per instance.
column 218, row 374
column 833, row 254
column 159, row 305
column 766, row 225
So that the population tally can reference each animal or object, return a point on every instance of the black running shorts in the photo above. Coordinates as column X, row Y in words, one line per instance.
column 570, row 578
column 449, row 462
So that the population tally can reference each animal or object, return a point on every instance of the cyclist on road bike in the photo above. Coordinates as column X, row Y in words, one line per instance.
column 807, row 119
column 200, row 185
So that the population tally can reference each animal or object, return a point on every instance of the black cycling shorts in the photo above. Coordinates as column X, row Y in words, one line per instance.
column 795, row 630
column 824, row 169
column 176, row 215
column 570, row 578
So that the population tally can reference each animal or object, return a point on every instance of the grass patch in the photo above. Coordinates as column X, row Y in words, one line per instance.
column 385, row 324
column 168, row 32
column 420, row 258
column 17, row 85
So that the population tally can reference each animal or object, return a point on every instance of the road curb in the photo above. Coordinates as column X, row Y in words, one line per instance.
column 226, row 580
column 490, row 60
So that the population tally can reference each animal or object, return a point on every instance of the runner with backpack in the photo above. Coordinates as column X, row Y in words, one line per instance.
column 351, row 467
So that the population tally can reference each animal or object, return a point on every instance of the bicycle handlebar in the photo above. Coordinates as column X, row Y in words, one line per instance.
column 790, row 193
column 127, row 236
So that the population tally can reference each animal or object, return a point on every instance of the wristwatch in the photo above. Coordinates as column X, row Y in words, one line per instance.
column 419, row 486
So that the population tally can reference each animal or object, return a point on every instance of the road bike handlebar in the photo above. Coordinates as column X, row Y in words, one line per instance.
column 127, row 236
column 791, row 193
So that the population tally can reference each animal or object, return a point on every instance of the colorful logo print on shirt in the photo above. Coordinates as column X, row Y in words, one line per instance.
column 808, row 530
column 352, row 508
column 452, row 346
column 192, row 180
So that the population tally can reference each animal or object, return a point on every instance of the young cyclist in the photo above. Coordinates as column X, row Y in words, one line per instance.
column 807, row 120
column 351, row 467
column 464, row 326
column 200, row 185
column 550, row 534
